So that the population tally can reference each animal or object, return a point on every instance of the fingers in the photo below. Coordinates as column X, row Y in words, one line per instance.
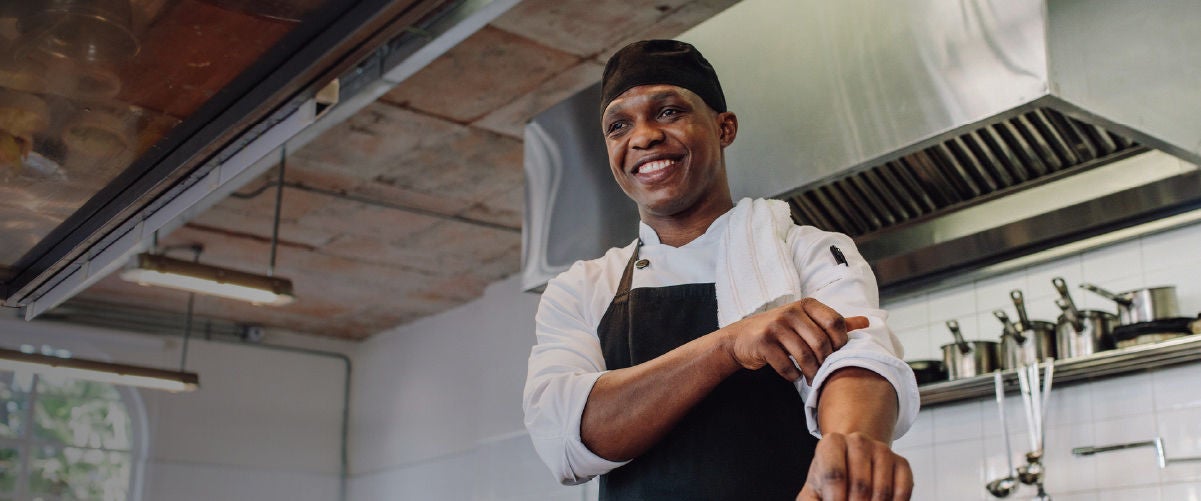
column 856, row 467
column 856, row 323
column 812, row 334
column 801, row 353
column 860, row 455
column 779, row 361
column 807, row 494
column 831, row 322
column 902, row 483
column 807, row 331
column 828, row 473
column 882, row 476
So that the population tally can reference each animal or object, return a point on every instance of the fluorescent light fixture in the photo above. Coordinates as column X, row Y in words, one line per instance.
column 162, row 271
column 104, row 372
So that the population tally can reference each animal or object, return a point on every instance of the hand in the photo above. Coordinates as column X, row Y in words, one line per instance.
column 806, row 330
column 856, row 467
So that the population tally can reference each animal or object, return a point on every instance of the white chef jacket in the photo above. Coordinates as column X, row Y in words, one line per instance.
column 567, row 359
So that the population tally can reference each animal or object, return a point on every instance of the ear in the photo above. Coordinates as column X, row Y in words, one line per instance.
column 727, row 127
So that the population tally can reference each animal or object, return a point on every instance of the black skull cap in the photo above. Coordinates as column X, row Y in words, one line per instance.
column 671, row 62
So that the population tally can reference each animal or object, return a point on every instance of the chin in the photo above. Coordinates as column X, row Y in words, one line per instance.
column 666, row 206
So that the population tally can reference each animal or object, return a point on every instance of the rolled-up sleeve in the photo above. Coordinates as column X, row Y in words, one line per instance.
column 851, row 290
column 563, row 366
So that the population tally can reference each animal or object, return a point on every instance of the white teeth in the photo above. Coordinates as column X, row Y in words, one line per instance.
column 656, row 165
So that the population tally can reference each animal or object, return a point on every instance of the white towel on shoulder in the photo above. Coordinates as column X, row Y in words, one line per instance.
column 755, row 268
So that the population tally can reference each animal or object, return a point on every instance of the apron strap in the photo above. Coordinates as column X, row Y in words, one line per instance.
column 627, row 277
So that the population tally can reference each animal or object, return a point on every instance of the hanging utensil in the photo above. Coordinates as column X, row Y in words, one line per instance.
column 1048, row 375
column 1003, row 487
column 1024, row 388
column 1036, row 403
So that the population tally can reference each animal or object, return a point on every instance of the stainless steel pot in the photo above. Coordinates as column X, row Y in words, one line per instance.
column 1142, row 305
column 968, row 358
column 1034, row 343
column 1027, row 342
column 1094, row 334
column 1081, row 333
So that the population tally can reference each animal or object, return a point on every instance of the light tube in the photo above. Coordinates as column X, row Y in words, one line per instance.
column 162, row 271
column 104, row 372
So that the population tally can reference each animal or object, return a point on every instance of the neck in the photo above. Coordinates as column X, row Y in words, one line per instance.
column 678, row 229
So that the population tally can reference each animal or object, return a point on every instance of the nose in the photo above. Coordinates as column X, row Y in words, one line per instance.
column 646, row 134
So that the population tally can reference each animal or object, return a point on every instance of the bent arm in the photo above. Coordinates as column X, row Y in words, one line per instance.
column 630, row 409
column 872, row 355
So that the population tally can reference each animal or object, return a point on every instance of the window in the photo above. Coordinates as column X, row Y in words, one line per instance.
column 63, row 439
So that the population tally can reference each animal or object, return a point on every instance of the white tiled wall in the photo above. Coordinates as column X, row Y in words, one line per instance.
column 956, row 449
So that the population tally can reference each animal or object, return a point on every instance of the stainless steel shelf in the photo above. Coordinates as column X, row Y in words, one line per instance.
column 1110, row 363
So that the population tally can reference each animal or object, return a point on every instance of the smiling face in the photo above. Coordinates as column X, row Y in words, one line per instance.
column 665, row 151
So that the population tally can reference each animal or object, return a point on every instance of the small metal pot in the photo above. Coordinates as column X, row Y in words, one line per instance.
column 1032, row 343
column 1081, row 333
column 1027, row 342
column 968, row 358
column 1090, row 332
column 1142, row 305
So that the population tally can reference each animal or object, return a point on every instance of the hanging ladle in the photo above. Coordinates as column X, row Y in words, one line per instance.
column 1003, row 487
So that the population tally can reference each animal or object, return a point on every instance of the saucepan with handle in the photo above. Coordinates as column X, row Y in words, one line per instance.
column 1141, row 305
column 1080, row 333
column 1027, row 342
column 968, row 358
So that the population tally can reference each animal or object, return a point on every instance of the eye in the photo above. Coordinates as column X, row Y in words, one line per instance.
column 615, row 127
column 669, row 112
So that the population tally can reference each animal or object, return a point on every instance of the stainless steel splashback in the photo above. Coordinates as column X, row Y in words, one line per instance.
column 878, row 119
column 573, row 208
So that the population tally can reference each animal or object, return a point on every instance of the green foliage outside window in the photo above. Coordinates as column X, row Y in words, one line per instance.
column 63, row 439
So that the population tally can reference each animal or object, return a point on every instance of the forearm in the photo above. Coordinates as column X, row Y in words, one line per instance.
column 858, row 400
column 630, row 409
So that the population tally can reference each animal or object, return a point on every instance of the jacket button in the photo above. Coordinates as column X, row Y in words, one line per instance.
column 641, row 263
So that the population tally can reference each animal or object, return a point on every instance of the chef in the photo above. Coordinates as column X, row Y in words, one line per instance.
column 726, row 353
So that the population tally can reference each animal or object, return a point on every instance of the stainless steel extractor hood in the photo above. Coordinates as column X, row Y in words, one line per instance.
column 889, row 120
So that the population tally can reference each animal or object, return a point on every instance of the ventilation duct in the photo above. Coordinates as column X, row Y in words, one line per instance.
column 914, row 125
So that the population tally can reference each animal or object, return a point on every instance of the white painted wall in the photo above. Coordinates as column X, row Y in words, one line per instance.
column 437, row 412
column 957, row 449
column 264, row 425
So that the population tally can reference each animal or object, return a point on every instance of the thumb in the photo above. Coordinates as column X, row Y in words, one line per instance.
column 855, row 323
column 808, row 494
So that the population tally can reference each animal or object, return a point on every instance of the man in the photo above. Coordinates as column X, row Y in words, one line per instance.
column 633, row 378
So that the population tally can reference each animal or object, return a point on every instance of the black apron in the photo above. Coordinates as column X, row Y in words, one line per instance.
column 747, row 439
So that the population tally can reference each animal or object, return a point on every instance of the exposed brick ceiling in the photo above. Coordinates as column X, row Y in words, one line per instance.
column 413, row 205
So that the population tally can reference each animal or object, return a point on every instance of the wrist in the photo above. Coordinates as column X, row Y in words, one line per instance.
column 723, row 350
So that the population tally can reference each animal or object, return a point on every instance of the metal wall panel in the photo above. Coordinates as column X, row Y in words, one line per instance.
column 1134, row 65
column 820, row 86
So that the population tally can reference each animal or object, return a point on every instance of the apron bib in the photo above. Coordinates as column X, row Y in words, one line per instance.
column 747, row 439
